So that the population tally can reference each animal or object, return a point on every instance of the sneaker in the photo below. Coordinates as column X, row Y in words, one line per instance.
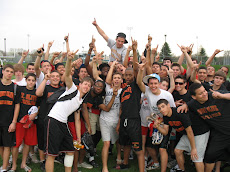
column 172, row 163
column 28, row 160
column 131, row 155
column 153, row 166
column 94, row 164
column 34, row 158
column 59, row 159
column 124, row 166
column 174, row 168
column 20, row 149
column 85, row 165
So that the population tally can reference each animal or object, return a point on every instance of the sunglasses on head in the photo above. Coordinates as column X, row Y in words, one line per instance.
column 180, row 83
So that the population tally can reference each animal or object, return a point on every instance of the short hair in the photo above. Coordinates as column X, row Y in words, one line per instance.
column 44, row 61
column 8, row 66
column 165, row 79
column 194, row 59
column 193, row 88
column 59, row 64
column 87, row 79
column 30, row 74
column 117, row 73
column 167, row 58
column 54, row 71
column 165, row 66
column 181, row 77
column 225, row 67
column 156, row 63
column 29, row 64
column 162, row 101
column 202, row 67
column 129, row 68
column 175, row 64
column 220, row 73
column 19, row 67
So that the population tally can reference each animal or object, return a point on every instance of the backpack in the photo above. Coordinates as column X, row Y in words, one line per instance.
column 55, row 97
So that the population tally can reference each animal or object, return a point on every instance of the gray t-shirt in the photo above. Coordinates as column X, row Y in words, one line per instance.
column 116, row 53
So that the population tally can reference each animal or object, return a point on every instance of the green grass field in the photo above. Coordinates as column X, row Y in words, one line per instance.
column 111, row 163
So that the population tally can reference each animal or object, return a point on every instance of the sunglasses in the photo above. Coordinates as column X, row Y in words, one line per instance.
column 180, row 83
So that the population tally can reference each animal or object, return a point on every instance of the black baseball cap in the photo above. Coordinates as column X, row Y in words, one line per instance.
column 122, row 35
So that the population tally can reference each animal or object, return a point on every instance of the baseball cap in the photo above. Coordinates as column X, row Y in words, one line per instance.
column 122, row 35
column 154, row 75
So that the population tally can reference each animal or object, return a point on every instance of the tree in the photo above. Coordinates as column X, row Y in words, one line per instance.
column 165, row 51
column 203, row 55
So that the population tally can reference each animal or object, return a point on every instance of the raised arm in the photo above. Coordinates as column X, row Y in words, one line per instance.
column 172, row 82
column 140, row 83
column 87, row 59
column 55, row 55
column 63, row 55
column 188, row 58
column 68, row 76
column 66, row 38
column 48, row 50
column 100, row 31
column 127, row 56
column 153, row 53
column 110, row 73
column 210, row 59
column 40, row 52
column 162, row 129
column 95, row 72
column 24, row 54
column 41, row 88
column 135, row 60
column 193, row 74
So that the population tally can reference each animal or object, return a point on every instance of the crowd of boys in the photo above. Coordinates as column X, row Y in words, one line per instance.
column 112, row 101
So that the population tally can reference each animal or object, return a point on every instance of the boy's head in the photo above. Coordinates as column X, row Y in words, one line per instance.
column 164, row 84
column 85, row 85
column 180, row 83
column 45, row 66
column 60, row 67
column 30, row 68
column 225, row 69
column 164, row 71
column 198, row 92
column 117, row 79
column 99, row 87
column 176, row 69
column 8, row 71
column 19, row 70
column 167, row 61
column 30, row 80
column 121, row 40
column 219, row 78
column 156, row 67
column 104, row 68
column 153, row 81
column 164, row 107
column 210, row 71
column 55, row 78
column 82, row 72
column 202, row 73
column 129, row 76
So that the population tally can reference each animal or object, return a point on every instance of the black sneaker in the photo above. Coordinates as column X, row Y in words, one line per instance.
column 124, row 166
column 94, row 164
column 43, row 165
column 59, row 159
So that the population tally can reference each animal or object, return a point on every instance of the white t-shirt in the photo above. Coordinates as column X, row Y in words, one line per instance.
column 116, row 53
column 152, row 99
column 145, row 110
column 61, row 110
column 113, row 114
column 40, row 79
column 20, row 83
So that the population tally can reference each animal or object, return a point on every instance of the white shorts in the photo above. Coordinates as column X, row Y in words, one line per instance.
column 108, row 131
column 201, row 142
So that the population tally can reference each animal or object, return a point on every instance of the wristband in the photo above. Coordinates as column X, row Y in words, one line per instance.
column 88, row 54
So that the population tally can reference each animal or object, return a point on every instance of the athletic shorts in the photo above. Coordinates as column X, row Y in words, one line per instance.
column 94, row 123
column 163, row 144
column 29, row 135
column 57, row 138
column 144, row 130
column 201, row 142
column 218, row 148
column 40, row 133
column 7, row 139
column 72, row 129
column 108, row 131
column 130, row 133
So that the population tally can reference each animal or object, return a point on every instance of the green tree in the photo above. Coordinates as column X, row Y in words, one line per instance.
column 165, row 51
column 202, row 54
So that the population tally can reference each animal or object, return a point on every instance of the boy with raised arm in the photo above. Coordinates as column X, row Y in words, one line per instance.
column 58, row 137
column 118, row 50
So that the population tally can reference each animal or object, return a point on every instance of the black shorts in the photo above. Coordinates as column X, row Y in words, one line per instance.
column 7, row 139
column 41, row 133
column 163, row 144
column 218, row 148
column 57, row 137
column 130, row 133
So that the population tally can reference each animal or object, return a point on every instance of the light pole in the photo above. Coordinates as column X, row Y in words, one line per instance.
column 63, row 46
column 129, row 28
column 197, row 47
column 164, row 48
column 28, row 41
column 5, row 45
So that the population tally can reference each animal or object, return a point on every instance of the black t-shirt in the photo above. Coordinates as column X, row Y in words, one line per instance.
column 48, row 91
column 208, row 87
column 76, row 72
column 93, row 102
column 7, row 103
column 214, row 111
column 130, row 101
column 227, row 85
column 185, row 97
column 179, row 121
column 28, row 99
